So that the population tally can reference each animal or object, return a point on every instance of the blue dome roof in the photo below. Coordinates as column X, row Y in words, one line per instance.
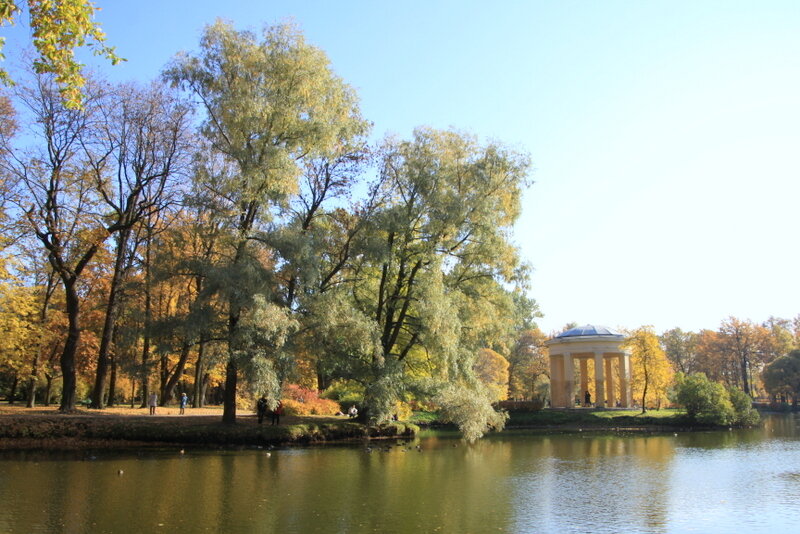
column 589, row 330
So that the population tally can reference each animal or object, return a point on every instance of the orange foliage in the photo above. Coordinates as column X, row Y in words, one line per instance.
column 298, row 400
column 491, row 368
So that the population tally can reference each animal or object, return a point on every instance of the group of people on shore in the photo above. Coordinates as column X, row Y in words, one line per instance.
column 152, row 403
column 262, row 408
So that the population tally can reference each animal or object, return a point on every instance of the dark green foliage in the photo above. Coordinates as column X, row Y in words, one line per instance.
column 534, row 405
column 743, row 409
column 706, row 402
column 782, row 376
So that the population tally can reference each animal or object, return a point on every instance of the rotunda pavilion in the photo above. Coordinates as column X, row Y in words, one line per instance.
column 583, row 343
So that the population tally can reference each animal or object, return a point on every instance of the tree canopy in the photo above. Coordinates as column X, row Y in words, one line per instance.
column 59, row 27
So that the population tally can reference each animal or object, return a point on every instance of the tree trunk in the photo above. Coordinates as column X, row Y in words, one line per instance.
column 145, row 369
column 37, row 359
column 148, row 305
column 229, row 400
column 177, row 374
column 13, row 392
column 48, row 388
column 644, row 391
column 112, row 382
column 745, row 381
column 197, row 401
column 104, row 353
column 323, row 381
column 204, row 389
column 163, row 375
column 68, row 371
column 231, row 373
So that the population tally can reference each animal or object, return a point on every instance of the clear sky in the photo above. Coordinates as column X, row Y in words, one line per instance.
column 664, row 135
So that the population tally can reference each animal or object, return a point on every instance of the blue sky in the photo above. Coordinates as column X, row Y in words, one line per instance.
column 664, row 135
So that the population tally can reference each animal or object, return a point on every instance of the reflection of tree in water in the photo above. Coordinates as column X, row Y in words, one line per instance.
column 513, row 482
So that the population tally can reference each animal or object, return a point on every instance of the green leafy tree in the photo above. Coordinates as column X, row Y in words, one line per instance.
column 681, row 349
column 782, row 376
column 469, row 407
column 426, row 288
column 744, row 413
column 705, row 401
column 271, row 101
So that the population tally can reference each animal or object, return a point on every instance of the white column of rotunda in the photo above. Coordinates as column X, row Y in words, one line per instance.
column 583, row 343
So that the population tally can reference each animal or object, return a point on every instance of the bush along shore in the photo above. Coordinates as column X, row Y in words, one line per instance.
column 52, row 431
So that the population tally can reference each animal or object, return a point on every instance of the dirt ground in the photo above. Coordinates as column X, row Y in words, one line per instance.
column 164, row 414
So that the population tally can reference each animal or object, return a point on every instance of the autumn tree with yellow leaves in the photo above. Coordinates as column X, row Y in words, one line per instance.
column 651, row 370
column 59, row 27
column 491, row 368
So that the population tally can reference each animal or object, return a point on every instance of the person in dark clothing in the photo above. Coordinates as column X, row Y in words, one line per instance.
column 261, row 408
column 277, row 413
column 587, row 398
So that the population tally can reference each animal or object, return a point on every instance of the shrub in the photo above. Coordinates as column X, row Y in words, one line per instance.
column 743, row 409
column 346, row 392
column 534, row 405
column 705, row 401
column 298, row 400
column 403, row 411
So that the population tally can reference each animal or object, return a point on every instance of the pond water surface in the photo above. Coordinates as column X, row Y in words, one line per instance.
column 728, row 481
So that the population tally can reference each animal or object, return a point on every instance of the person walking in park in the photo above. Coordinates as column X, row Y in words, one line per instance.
column 184, row 400
column 276, row 414
column 261, row 409
column 152, row 403
column 587, row 399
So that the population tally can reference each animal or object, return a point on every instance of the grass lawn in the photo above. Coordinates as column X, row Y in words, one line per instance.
column 598, row 418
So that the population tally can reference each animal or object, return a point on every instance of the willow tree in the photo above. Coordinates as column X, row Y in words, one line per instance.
column 428, row 286
column 271, row 101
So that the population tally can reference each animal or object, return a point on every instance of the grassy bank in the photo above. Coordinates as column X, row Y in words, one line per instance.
column 586, row 419
column 42, row 428
column 601, row 419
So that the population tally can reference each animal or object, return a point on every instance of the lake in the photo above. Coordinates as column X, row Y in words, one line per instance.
column 722, row 481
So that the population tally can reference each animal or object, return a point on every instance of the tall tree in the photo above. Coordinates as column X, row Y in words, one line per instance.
column 743, row 342
column 651, row 370
column 59, row 202
column 425, row 289
column 528, row 364
column 143, row 148
column 782, row 376
column 491, row 368
column 270, row 101
column 681, row 348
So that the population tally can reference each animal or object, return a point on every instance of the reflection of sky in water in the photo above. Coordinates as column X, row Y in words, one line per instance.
column 574, row 488
column 746, row 481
